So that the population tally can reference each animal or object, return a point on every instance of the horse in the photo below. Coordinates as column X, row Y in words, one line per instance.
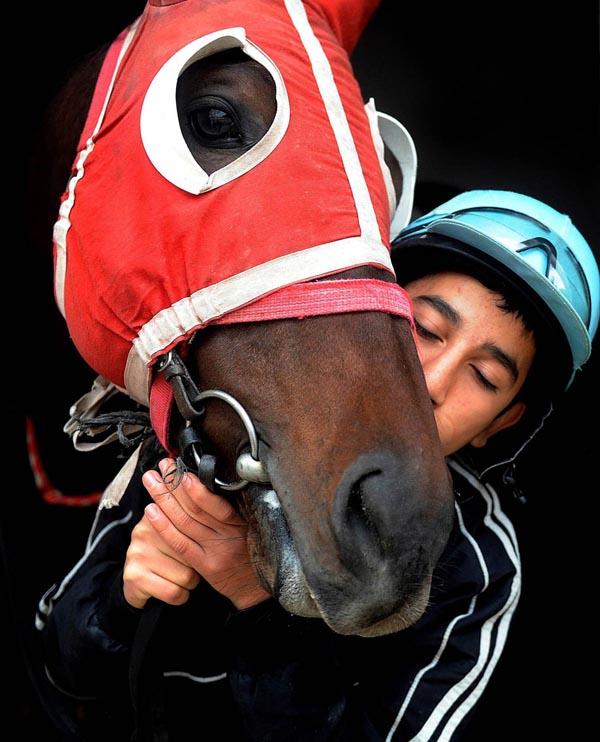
column 361, row 504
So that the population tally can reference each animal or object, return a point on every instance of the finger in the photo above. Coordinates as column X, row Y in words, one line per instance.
column 216, row 506
column 198, row 501
column 217, row 554
column 175, row 572
column 193, row 508
column 139, row 586
column 169, row 504
column 177, row 485
column 187, row 549
column 166, row 568
column 146, row 540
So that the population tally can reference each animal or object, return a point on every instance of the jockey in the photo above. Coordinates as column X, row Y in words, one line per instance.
column 497, row 279
column 545, row 279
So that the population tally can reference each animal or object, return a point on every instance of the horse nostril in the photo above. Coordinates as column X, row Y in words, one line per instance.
column 373, row 505
column 358, row 531
column 357, row 506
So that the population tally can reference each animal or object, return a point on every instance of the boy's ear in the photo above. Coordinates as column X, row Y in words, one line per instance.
column 506, row 420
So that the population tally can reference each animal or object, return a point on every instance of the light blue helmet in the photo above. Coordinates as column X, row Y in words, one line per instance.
column 530, row 242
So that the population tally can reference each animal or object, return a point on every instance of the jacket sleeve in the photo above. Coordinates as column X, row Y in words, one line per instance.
column 87, row 626
column 293, row 678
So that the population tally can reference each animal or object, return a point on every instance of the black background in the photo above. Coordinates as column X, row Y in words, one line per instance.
column 493, row 98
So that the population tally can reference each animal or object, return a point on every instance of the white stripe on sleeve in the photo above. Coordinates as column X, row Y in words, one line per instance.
column 488, row 658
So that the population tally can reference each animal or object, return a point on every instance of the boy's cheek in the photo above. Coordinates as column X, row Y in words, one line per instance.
column 447, row 431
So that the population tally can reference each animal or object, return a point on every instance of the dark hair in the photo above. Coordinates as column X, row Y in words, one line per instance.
column 426, row 255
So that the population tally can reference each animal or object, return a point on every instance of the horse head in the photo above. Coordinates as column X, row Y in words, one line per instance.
column 231, row 199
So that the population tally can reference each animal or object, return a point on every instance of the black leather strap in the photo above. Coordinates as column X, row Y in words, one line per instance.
column 146, row 681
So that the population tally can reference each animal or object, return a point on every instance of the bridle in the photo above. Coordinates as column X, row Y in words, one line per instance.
column 172, row 381
column 188, row 399
column 302, row 300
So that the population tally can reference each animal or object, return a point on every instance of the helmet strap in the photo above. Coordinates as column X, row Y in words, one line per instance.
column 508, row 477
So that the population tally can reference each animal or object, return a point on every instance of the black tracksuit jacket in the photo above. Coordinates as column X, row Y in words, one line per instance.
column 264, row 674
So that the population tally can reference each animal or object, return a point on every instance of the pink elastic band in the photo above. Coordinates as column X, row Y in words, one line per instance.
column 326, row 297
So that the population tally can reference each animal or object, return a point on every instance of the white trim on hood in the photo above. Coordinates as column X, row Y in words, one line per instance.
column 337, row 118
column 63, row 223
column 159, row 121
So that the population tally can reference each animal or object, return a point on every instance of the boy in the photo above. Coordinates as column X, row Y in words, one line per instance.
column 500, row 283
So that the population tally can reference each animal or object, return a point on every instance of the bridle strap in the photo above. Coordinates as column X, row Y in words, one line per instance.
column 161, row 404
column 326, row 297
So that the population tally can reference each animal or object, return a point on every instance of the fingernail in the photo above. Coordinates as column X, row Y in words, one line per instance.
column 165, row 465
column 152, row 511
column 152, row 478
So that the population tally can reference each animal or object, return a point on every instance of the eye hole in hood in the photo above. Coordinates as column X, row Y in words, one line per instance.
column 177, row 138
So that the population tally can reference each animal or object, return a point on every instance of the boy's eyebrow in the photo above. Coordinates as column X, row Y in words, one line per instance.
column 442, row 307
column 502, row 357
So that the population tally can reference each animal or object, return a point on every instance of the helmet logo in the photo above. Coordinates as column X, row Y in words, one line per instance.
column 539, row 243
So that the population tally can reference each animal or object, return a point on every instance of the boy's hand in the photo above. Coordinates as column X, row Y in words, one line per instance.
column 153, row 570
column 203, row 531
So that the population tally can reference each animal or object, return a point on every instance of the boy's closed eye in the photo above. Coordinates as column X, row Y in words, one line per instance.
column 431, row 336
column 424, row 332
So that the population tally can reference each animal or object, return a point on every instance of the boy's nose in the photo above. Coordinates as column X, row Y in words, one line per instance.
column 438, row 377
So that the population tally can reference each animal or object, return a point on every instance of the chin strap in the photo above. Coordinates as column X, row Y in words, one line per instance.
column 509, row 475
column 509, row 480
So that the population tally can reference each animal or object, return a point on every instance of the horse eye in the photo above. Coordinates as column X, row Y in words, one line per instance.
column 212, row 125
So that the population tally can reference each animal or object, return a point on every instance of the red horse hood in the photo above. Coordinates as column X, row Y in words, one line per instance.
column 148, row 247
